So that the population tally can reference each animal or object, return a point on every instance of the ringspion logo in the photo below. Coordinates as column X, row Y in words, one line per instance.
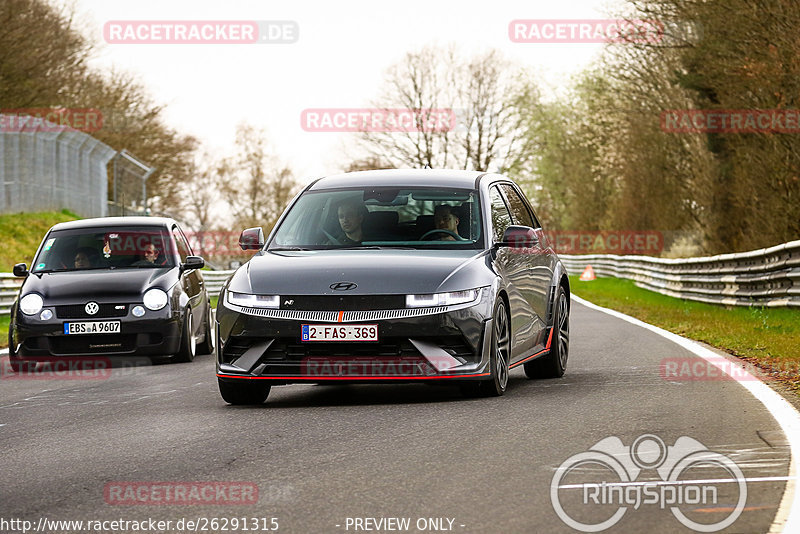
column 592, row 491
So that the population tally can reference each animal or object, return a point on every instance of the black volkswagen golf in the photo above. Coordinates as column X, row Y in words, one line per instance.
column 111, row 287
column 395, row 275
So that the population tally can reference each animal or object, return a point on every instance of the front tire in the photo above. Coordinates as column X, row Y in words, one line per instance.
column 18, row 366
column 188, row 346
column 243, row 392
column 207, row 346
column 499, row 358
column 554, row 363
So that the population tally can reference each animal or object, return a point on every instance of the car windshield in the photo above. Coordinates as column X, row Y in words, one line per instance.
column 382, row 217
column 105, row 248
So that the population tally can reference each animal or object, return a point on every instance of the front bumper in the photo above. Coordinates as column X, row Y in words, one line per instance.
column 157, row 333
column 442, row 343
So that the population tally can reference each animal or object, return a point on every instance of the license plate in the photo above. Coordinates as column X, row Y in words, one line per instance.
column 92, row 327
column 350, row 332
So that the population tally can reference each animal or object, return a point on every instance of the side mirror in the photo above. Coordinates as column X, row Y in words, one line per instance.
column 252, row 238
column 20, row 269
column 193, row 262
column 519, row 237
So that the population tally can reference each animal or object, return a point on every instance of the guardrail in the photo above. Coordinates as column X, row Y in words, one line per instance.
column 215, row 280
column 9, row 287
column 766, row 277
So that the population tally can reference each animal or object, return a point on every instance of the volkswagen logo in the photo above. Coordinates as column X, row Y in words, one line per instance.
column 91, row 308
column 343, row 286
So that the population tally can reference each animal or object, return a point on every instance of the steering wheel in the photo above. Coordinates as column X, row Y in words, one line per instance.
column 438, row 231
column 329, row 236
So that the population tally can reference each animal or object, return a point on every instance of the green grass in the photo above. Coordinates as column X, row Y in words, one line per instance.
column 4, row 322
column 22, row 232
column 768, row 337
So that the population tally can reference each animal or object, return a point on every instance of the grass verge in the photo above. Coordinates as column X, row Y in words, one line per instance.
column 22, row 233
column 766, row 337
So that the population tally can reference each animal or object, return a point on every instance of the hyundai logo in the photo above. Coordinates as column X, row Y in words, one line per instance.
column 343, row 286
column 91, row 308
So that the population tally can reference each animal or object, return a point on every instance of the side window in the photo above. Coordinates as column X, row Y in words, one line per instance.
column 519, row 210
column 501, row 218
column 180, row 242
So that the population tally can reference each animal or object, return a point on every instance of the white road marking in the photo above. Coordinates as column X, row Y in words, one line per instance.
column 787, row 518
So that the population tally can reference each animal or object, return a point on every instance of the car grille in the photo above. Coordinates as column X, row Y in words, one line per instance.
column 78, row 311
column 286, row 355
column 92, row 344
column 344, row 316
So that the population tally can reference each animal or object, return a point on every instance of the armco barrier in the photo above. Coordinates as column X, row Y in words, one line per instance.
column 766, row 277
column 215, row 280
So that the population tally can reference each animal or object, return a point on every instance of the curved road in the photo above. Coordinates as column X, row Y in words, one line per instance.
column 345, row 458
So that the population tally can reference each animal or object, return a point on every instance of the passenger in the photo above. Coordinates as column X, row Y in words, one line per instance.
column 445, row 218
column 351, row 217
column 86, row 258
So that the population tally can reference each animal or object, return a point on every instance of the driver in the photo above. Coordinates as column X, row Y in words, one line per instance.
column 149, row 256
column 445, row 218
column 351, row 217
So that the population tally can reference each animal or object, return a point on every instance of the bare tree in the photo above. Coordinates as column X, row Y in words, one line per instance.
column 253, row 182
column 488, row 101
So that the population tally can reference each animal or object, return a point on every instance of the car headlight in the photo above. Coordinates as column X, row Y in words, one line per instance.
column 31, row 304
column 253, row 301
column 442, row 299
column 155, row 299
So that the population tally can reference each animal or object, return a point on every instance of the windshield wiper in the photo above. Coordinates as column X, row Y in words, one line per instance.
column 285, row 248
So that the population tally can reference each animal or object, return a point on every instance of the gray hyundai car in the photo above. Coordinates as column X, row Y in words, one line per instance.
column 395, row 276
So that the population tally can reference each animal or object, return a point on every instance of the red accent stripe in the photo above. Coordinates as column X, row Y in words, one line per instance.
column 545, row 349
column 318, row 378
column 341, row 314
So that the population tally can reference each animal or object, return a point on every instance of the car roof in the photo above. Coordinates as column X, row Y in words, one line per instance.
column 104, row 222
column 400, row 178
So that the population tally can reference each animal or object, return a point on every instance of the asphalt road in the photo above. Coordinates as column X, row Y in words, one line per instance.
column 323, row 457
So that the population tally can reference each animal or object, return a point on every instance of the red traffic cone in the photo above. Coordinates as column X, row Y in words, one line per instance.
column 588, row 274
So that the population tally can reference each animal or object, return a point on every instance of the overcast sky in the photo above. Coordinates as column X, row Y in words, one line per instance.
column 338, row 61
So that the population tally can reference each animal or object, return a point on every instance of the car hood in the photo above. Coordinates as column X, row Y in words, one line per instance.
column 383, row 272
column 101, row 285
